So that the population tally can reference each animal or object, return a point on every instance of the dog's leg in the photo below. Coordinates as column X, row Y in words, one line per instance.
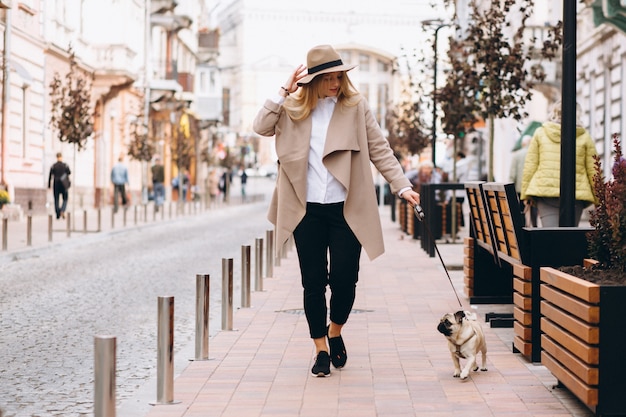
column 457, row 365
column 483, row 350
column 471, row 363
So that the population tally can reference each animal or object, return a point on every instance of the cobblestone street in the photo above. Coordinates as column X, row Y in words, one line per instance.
column 54, row 302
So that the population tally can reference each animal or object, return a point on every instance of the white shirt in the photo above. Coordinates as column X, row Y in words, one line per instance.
column 322, row 187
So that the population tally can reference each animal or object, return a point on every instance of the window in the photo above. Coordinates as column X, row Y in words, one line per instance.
column 381, row 107
column 24, row 121
column 383, row 66
column 364, row 62
column 226, row 106
column 364, row 89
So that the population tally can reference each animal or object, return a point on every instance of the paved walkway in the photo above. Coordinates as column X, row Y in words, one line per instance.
column 398, row 364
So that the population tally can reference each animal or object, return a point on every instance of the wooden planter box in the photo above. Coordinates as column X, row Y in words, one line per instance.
column 584, row 353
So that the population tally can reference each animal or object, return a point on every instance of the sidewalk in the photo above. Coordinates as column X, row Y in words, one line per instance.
column 398, row 363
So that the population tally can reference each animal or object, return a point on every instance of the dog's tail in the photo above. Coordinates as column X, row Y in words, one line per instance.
column 470, row 315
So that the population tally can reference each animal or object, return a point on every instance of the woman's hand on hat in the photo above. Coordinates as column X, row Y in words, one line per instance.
column 291, row 86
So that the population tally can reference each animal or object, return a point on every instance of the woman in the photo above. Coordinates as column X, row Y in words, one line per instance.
column 326, row 137
column 541, row 181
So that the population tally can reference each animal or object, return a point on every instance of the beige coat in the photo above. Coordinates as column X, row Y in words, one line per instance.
column 354, row 138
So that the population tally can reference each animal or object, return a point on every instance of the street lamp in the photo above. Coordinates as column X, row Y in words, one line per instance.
column 437, row 24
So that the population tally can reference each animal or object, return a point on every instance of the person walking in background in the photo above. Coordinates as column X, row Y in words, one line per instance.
column 541, row 180
column 158, row 186
column 186, row 184
column 326, row 137
column 225, row 182
column 213, row 183
column 119, row 178
column 59, row 172
column 244, row 181
column 529, row 209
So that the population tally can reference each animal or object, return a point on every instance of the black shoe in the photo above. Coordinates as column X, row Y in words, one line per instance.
column 338, row 355
column 321, row 368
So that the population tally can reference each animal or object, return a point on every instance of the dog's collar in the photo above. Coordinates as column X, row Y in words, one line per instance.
column 459, row 345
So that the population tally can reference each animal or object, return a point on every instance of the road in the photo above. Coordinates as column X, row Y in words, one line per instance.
column 55, row 301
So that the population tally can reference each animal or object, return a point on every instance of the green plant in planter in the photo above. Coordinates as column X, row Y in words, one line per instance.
column 607, row 243
column 4, row 197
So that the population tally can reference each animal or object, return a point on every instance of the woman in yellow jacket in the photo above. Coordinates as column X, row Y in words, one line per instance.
column 541, row 181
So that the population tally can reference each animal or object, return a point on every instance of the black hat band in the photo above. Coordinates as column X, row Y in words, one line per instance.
column 324, row 66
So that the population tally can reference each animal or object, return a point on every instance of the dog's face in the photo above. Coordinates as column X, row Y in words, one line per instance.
column 451, row 323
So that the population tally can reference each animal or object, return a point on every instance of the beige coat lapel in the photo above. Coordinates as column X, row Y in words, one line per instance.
column 293, row 155
column 341, row 140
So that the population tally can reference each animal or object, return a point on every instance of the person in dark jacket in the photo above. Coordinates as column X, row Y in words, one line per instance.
column 60, row 172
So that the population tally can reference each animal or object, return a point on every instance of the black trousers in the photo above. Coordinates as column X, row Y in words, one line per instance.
column 329, row 254
column 59, row 191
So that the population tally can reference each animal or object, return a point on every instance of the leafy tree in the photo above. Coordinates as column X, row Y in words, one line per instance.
column 496, row 74
column 408, row 132
column 459, row 106
column 72, row 114
column 183, row 144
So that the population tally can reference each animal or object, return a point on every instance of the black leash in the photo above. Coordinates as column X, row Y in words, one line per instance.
column 419, row 213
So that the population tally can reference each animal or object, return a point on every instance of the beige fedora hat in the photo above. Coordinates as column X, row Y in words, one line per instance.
column 323, row 59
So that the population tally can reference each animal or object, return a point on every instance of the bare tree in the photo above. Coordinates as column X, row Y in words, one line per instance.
column 142, row 146
column 72, row 114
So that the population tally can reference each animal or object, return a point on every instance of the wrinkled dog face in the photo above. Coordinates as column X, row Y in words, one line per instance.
column 450, row 323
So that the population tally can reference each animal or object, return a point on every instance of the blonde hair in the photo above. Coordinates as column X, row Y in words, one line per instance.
column 556, row 115
column 300, row 105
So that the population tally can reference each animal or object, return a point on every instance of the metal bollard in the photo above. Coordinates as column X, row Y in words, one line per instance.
column 5, row 231
column 84, row 221
column 227, row 293
column 165, row 351
column 69, row 224
column 136, row 207
column 99, row 219
column 145, row 213
column 245, row 276
column 50, row 228
column 258, row 270
column 124, row 216
column 112, row 219
column 202, row 316
column 29, row 230
column 104, row 376
column 269, row 258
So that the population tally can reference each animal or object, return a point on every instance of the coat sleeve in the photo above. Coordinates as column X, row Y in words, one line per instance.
column 530, row 164
column 265, row 121
column 382, row 155
column 590, row 165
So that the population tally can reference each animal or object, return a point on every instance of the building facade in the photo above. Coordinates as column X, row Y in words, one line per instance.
column 139, row 58
column 262, row 42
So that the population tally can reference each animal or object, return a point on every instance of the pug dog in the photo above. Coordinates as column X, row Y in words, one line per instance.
column 465, row 340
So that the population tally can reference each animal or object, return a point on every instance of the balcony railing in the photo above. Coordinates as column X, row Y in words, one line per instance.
column 114, row 57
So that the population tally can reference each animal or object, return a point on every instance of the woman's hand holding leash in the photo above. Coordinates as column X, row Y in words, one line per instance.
column 413, row 199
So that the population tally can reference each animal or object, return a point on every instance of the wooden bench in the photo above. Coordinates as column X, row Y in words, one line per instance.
column 487, row 279
column 520, row 252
